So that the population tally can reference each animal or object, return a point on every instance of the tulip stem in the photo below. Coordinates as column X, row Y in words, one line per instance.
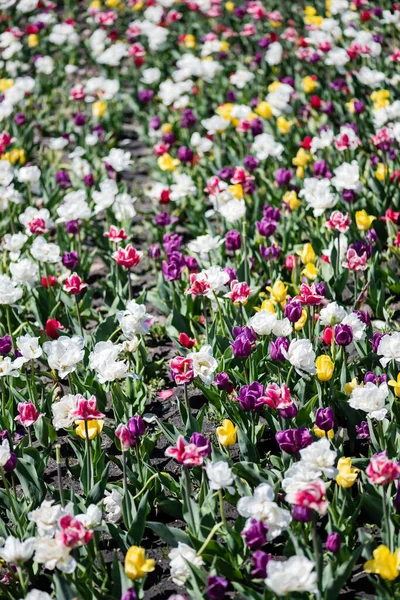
column 87, row 443
column 125, row 480
column 221, row 509
column 59, row 477
column 186, row 398
column 29, row 436
column 188, row 488
column 139, row 463
column 209, row 538
column 317, row 553
column 246, row 264
column 78, row 314
column 205, row 318
column 10, row 498
column 21, row 580
column 386, row 517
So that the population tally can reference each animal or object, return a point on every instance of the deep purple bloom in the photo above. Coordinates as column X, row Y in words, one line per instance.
column 375, row 341
column 302, row 513
column 266, row 227
column 173, row 269
column 348, row 195
column 169, row 138
column 145, row 95
column 79, row 120
column 359, row 107
column 370, row 377
column 256, row 127
column 290, row 412
column 255, row 534
column 185, row 154
column 20, row 119
column 260, row 562
column 363, row 431
column 201, row 441
column 192, row 264
column 270, row 213
column 363, row 316
column 155, row 122
column 333, row 542
column 321, row 169
column 371, row 237
column 320, row 288
column 63, row 180
column 130, row 594
column 270, row 252
column 293, row 440
column 250, row 162
column 325, row 419
column 137, row 427
column 88, row 180
column 293, row 310
column 245, row 331
column 70, row 260
column 249, row 397
column 216, row 587
column 73, row 227
column 172, row 242
column 276, row 347
column 5, row 345
column 188, row 119
column 283, row 176
column 11, row 463
column 154, row 251
column 233, row 241
column 231, row 96
column 343, row 335
column 242, row 347
column 225, row 173
column 223, row 383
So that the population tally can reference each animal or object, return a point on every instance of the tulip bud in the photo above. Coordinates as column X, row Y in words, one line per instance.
column 333, row 542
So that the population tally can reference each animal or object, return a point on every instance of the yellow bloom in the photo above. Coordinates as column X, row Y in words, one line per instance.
column 307, row 254
column 95, row 427
column 310, row 11
column 136, row 563
column 189, row 41
column 321, row 433
column 350, row 106
column 266, row 305
column 264, row 110
column 5, row 84
column 166, row 128
column 395, row 385
column 33, row 40
column 363, row 220
column 98, row 109
column 224, row 46
column 15, row 155
column 274, row 86
column 309, row 84
column 111, row 3
column 380, row 98
column 291, row 199
column 226, row 433
column 138, row 6
column 284, row 126
column 302, row 158
column 230, row 6
column 278, row 291
column 225, row 110
column 325, row 367
column 347, row 474
column 381, row 172
column 302, row 321
column 349, row 387
column 300, row 172
column 96, row 4
column 385, row 564
column 310, row 271
column 167, row 163
column 236, row 191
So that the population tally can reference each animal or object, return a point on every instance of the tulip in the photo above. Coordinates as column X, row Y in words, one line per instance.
column 343, row 335
column 278, row 291
column 255, row 534
column 395, row 384
column 333, row 542
column 260, row 564
column 227, row 433
column 74, row 284
column 136, row 563
column 325, row 367
column 384, row 563
column 216, row 587
column 293, row 440
column 324, row 419
column 94, row 428
column 347, row 474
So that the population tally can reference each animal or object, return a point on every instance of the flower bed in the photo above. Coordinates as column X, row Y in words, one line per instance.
column 199, row 344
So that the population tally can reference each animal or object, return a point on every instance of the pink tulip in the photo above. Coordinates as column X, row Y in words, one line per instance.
column 86, row 410
column 382, row 470
column 74, row 284
column 28, row 415
column 127, row 257
column 72, row 532
column 186, row 454
column 115, row 235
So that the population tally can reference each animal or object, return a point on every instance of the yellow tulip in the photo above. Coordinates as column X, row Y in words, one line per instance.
column 310, row 271
column 302, row 321
column 364, row 220
column 225, row 110
column 98, row 109
column 284, row 126
column 136, row 563
column 95, row 427
column 6, row 84
column 307, row 254
column 325, row 367
column 227, row 433
column 347, row 474
column 236, row 191
column 166, row 128
column 230, row 6
column 224, row 46
column 167, row 163
column 380, row 98
column 291, row 199
column 385, row 564
column 33, row 40
column 300, row 172
column 264, row 110
column 349, row 387
column 309, row 84
column 321, row 433
column 395, row 385
column 189, row 41
column 278, row 291
column 381, row 172
column 266, row 305
column 302, row 158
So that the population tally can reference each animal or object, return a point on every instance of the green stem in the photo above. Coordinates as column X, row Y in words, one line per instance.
column 139, row 462
column 59, row 475
column 78, row 314
column 222, row 510
column 10, row 498
column 205, row 318
column 209, row 538
column 317, row 553
column 88, row 461
column 188, row 488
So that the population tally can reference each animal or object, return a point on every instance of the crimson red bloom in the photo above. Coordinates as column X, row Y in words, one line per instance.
column 74, row 284
column 51, row 279
column 127, row 257
column 53, row 327
column 186, row 341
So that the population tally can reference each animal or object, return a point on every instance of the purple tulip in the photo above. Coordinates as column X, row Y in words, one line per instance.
column 145, row 96
column 270, row 213
column 276, row 347
column 283, row 176
column 154, row 251
column 216, row 587
column 290, row 412
column 79, row 120
column 137, row 427
column 359, row 107
column 343, row 335
column 249, row 397
column 324, row 419
column 62, row 179
column 376, row 340
column 293, row 310
column 293, row 440
column 242, row 347
column 185, row 154
column 201, row 441
column 223, row 382
column 5, row 345
column 251, row 162
column 302, row 514
column 333, row 542
column 255, row 534
column 225, row 173
column 70, row 260
column 363, row 431
column 73, row 227
column 88, row 180
column 130, row 594
column 270, row 252
column 256, row 127
column 233, row 241
column 155, row 123
column 260, row 563
column 265, row 227
column 188, row 119
column 348, row 195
